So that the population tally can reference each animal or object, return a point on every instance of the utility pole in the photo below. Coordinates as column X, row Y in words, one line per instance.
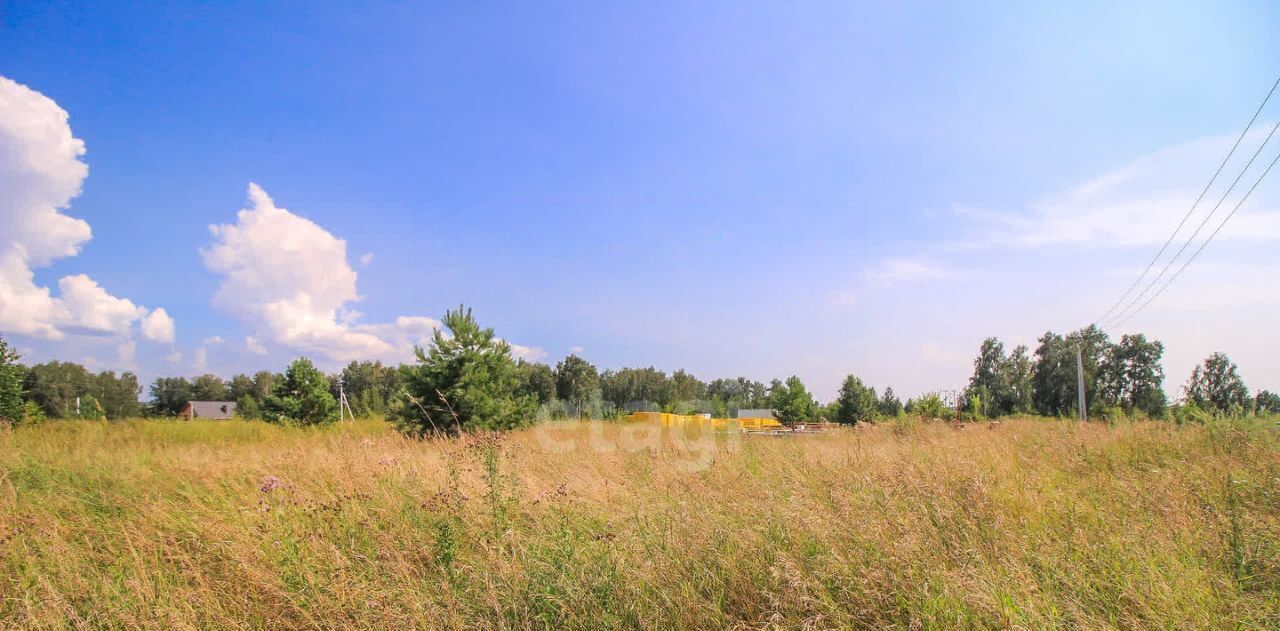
column 1084, row 408
column 343, row 407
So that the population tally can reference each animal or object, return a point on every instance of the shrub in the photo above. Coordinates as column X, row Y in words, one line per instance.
column 1191, row 413
column 1113, row 413
column 974, row 410
column 930, row 406
column 32, row 414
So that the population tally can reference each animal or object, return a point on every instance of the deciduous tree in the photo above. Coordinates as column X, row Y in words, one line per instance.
column 1216, row 384
column 209, row 387
column 55, row 386
column 1267, row 402
column 537, row 380
column 169, row 395
column 1132, row 377
column 11, row 376
column 117, row 395
column 791, row 401
column 302, row 397
column 1054, row 389
column 577, row 381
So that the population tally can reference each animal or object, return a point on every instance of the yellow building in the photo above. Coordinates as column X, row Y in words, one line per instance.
column 666, row 419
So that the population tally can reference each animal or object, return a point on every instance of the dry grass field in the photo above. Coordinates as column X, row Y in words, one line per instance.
column 1033, row 524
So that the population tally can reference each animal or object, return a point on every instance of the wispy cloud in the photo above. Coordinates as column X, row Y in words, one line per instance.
column 1140, row 203
column 910, row 270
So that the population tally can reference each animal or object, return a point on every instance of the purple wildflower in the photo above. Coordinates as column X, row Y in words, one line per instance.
column 269, row 484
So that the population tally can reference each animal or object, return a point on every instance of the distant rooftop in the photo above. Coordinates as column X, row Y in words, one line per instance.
column 217, row 410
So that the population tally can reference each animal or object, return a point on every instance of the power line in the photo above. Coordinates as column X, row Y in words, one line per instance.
column 1124, row 312
column 1194, row 205
column 1206, row 241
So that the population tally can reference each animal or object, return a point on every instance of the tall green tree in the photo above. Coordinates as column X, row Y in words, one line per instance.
column 11, row 376
column 1216, row 384
column 988, row 383
column 240, row 386
column 1267, row 402
column 370, row 387
column 1054, row 381
column 302, row 397
column 686, row 387
column 856, row 402
column 169, row 395
column 890, row 404
column 209, row 387
column 738, row 393
column 1131, row 375
column 645, row 389
column 1002, row 384
column 577, row 381
column 118, row 395
column 1017, row 373
column 792, row 402
column 467, row 380
column 537, row 380
column 55, row 387
column 264, row 382
column 240, row 390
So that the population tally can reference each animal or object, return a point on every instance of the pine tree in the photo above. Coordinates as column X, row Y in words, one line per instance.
column 464, row 381
column 856, row 402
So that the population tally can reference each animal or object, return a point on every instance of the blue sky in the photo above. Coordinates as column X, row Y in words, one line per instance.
column 737, row 188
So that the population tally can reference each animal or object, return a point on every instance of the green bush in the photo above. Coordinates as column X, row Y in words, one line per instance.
column 32, row 414
column 1191, row 413
column 929, row 406
column 1113, row 413
column 974, row 410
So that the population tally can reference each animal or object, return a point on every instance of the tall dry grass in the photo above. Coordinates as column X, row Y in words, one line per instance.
column 1034, row 524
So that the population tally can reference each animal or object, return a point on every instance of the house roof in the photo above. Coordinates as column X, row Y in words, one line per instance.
column 213, row 409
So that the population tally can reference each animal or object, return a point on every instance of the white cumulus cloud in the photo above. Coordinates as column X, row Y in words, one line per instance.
column 289, row 280
column 158, row 326
column 40, row 173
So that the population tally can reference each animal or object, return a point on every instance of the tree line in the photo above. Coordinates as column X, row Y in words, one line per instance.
column 467, row 378
column 1123, row 378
